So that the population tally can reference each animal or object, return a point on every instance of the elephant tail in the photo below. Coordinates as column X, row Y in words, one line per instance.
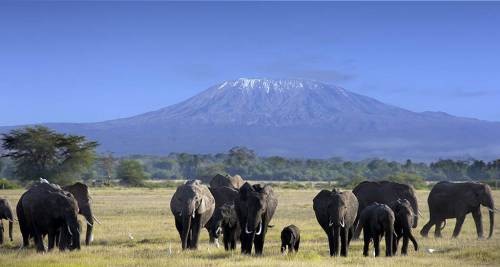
column 444, row 224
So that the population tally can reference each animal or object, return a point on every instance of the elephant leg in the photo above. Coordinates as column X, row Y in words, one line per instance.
column 343, row 241
column 388, row 243
column 437, row 229
column 357, row 229
column 425, row 230
column 38, row 240
column 1, row 231
column 376, row 244
column 331, row 242
column 259, row 243
column 195, row 232
column 404, row 248
column 458, row 225
column 366, row 240
column 336, row 237
column 350, row 234
column 415, row 244
column 297, row 244
column 395, row 244
column 51, row 239
column 290, row 248
column 476, row 214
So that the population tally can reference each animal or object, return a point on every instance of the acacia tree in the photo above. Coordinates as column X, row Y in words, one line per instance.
column 41, row 152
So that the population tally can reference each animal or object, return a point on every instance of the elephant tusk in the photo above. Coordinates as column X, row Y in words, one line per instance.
column 10, row 220
column 260, row 229
column 88, row 222
column 420, row 214
column 217, row 243
column 330, row 224
column 96, row 220
column 193, row 213
column 69, row 230
column 246, row 229
column 342, row 223
column 492, row 210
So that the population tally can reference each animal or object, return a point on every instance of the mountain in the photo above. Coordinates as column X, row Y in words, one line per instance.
column 295, row 118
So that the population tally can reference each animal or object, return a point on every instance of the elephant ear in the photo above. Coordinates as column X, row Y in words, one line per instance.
column 245, row 191
column 205, row 205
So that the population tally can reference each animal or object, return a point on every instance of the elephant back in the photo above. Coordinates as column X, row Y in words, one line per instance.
column 226, row 180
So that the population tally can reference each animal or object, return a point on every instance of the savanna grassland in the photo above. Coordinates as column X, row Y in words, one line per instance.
column 145, row 215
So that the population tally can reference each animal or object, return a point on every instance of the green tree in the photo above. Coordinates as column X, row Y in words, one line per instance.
column 130, row 172
column 41, row 152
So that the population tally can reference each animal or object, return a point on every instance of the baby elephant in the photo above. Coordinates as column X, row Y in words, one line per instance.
column 377, row 220
column 290, row 236
column 404, row 215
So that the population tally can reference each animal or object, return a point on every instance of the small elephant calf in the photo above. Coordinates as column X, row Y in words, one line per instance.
column 404, row 215
column 377, row 220
column 290, row 236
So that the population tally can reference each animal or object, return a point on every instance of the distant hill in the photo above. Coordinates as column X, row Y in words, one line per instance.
column 294, row 118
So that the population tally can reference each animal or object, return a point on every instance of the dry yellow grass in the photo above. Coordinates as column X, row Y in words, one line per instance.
column 146, row 215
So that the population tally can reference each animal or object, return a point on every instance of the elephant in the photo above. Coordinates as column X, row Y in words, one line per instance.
column 192, row 206
column 336, row 213
column 81, row 192
column 222, row 195
column 226, row 180
column 384, row 192
column 45, row 209
column 455, row 200
column 231, row 229
column 377, row 220
column 290, row 237
column 403, row 216
column 255, row 208
column 6, row 214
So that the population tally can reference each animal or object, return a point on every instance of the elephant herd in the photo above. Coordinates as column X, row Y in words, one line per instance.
column 48, row 210
column 240, row 212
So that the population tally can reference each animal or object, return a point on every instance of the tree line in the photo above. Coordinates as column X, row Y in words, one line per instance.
column 35, row 152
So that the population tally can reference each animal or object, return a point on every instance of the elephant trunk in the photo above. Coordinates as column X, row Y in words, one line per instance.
column 186, row 227
column 492, row 221
column 87, row 213
column 11, row 226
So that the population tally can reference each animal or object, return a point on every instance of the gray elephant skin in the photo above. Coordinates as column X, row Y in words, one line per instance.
column 455, row 200
column 223, row 195
column 377, row 220
column 336, row 213
column 192, row 206
column 384, row 192
column 231, row 229
column 81, row 192
column 255, row 208
column 6, row 214
column 290, row 238
column 403, row 215
column 46, row 209
column 220, row 180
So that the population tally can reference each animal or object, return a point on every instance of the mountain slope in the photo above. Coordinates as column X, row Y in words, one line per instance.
column 292, row 117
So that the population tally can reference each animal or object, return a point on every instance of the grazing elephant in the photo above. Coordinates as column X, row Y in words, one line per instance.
column 336, row 213
column 6, row 214
column 255, row 208
column 455, row 200
column 222, row 195
column 377, row 220
column 231, row 229
column 192, row 206
column 81, row 193
column 226, row 180
column 403, row 215
column 384, row 192
column 290, row 237
column 45, row 209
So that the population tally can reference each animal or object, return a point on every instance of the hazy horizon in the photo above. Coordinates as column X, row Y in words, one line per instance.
column 95, row 61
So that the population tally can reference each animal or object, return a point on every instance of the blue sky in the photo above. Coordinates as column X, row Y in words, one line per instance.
column 91, row 61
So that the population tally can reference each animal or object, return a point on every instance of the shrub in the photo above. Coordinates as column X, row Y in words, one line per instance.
column 9, row 184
